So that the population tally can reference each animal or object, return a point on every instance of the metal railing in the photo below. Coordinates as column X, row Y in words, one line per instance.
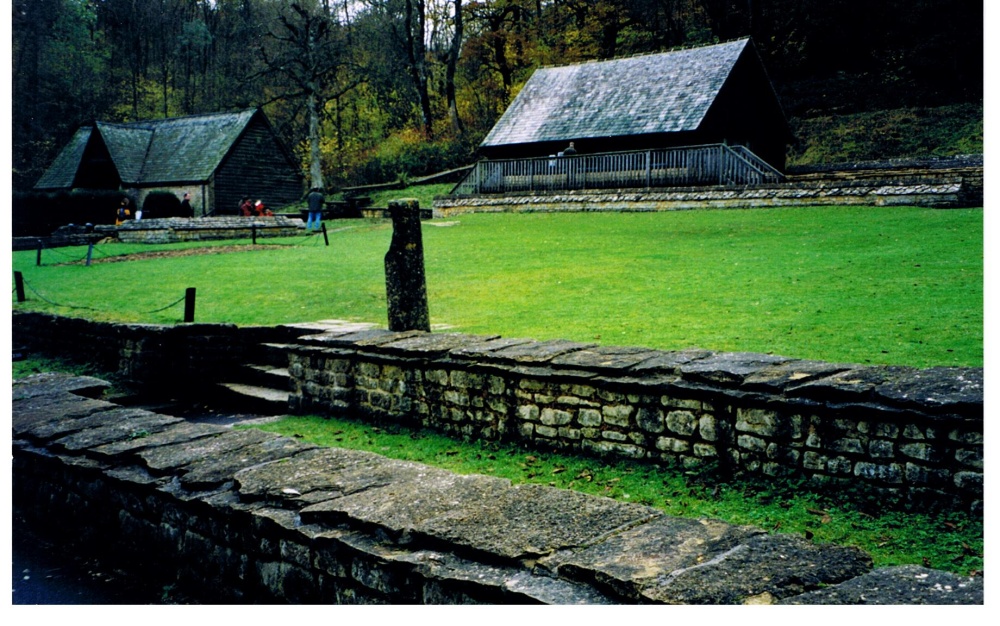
column 715, row 164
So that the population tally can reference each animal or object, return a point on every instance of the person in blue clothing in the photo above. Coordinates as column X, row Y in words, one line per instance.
column 315, row 201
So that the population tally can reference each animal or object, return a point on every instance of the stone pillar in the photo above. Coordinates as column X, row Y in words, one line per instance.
column 405, row 284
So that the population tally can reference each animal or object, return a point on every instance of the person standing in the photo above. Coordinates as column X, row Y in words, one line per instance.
column 124, row 211
column 186, row 209
column 315, row 201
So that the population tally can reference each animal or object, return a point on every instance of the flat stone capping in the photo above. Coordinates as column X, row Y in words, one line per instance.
column 913, row 435
column 247, row 516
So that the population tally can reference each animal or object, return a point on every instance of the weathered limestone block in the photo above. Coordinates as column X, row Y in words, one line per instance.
column 406, row 285
column 589, row 418
column 650, row 420
column 678, row 561
column 891, row 473
column 682, row 423
column 617, row 414
column 554, row 417
column 901, row 585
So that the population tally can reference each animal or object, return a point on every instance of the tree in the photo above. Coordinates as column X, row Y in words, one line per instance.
column 309, row 53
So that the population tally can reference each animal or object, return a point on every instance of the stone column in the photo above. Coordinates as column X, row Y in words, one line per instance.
column 405, row 283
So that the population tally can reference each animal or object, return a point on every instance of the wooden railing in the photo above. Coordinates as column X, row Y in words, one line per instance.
column 715, row 164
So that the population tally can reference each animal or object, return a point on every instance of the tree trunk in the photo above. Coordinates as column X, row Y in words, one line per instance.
column 315, row 159
column 453, row 55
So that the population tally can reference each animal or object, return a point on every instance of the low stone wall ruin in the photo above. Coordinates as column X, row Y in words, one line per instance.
column 912, row 435
column 907, row 434
column 244, row 516
column 177, row 229
column 942, row 183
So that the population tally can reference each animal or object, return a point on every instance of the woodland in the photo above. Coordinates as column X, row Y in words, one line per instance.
column 365, row 91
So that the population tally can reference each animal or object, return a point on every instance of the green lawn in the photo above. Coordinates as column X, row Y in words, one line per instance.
column 948, row 541
column 897, row 285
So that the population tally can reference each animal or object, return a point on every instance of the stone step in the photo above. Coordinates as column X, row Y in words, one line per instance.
column 253, row 398
column 264, row 376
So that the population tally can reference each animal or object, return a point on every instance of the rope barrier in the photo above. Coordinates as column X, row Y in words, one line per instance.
column 310, row 239
column 90, row 308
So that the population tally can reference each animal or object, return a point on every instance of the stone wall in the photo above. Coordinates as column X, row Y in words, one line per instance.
column 244, row 516
column 910, row 434
column 943, row 183
column 903, row 433
column 175, row 229
column 174, row 357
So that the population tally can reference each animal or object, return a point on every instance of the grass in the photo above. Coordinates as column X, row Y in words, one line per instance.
column 951, row 542
column 891, row 285
column 878, row 135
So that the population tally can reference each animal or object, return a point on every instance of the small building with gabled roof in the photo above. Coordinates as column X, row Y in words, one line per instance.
column 718, row 94
column 217, row 158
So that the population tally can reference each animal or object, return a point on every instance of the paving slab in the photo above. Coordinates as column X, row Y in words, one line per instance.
column 904, row 584
column 539, row 351
column 670, row 362
column 856, row 384
column 728, row 368
column 52, row 429
column 305, row 479
column 939, row 389
column 369, row 478
column 684, row 561
column 30, row 413
column 775, row 378
column 529, row 521
column 48, row 383
column 223, row 465
column 182, row 432
column 403, row 508
column 485, row 347
column 760, row 570
column 129, row 426
column 430, row 344
column 175, row 456
column 607, row 359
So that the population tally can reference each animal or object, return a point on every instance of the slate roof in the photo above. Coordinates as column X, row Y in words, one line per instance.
column 61, row 173
column 180, row 149
column 656, row 93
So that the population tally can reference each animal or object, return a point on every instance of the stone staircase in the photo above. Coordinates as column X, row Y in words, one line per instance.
column 260, row 387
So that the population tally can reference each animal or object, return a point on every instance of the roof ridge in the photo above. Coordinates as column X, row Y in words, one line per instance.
column 681, row 48
column 157, row 122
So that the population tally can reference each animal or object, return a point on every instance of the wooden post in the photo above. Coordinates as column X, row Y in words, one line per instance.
column 38, row 257
column 253, row 233
column 19, row 286
column 90, row 253
column 325, row 238
column 189, row 305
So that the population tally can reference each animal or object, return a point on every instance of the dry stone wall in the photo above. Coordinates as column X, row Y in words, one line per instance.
column 945, row 183
column 176, row 229
column 240, row 515
column 902, row 433
column 915, row 435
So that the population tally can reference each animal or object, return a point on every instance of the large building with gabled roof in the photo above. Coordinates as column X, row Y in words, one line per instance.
column 707, row 95
column 217, row 158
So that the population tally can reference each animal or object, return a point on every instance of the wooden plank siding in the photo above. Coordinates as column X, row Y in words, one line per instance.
column 257, row 167
column 690, row 166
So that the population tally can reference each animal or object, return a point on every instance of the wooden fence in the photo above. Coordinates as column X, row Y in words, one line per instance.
column 715, row 164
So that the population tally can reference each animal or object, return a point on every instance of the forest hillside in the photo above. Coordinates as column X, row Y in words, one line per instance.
column 366, row 91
